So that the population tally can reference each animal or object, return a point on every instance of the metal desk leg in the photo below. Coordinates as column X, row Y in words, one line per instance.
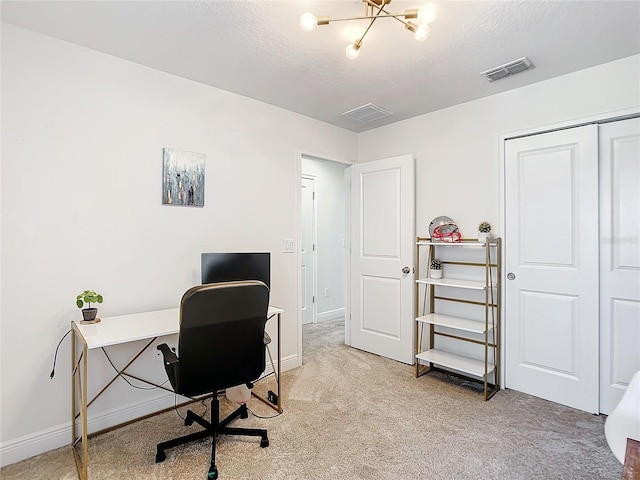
column 79, row 395
column 279, row 365
column 278, row 406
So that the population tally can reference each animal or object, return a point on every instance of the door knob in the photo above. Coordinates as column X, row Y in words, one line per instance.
column 406, row 270
column 511, row 276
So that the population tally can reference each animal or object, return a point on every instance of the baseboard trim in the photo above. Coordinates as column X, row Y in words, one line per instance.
column 330, row 315
column 51, row 438
column 30, row 445
column 48, row 439
column 290, row 362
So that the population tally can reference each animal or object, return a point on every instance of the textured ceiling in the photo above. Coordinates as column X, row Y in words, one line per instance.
column 257, row 49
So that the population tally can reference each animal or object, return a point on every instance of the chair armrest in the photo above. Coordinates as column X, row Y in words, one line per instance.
column 168, row 355
column 170, row 365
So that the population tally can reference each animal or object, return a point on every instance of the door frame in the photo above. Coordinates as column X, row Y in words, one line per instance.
column 314, row 256
column 603, row 117
column 298, row 226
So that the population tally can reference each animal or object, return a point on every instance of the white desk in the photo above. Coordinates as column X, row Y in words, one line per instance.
column 124, row 329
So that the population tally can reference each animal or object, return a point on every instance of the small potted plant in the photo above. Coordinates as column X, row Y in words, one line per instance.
column 484, row 231
column 435, row 269
column 89, row 296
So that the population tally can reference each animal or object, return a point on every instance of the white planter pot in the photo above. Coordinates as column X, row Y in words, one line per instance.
column 435, row 273
column 482, row 236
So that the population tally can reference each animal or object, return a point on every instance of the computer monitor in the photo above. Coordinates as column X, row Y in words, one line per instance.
column 228, row 267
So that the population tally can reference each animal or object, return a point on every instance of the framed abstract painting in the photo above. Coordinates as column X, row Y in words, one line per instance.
column 182, row 178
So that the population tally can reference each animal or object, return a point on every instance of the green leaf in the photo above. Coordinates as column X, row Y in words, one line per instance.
column 88, row 296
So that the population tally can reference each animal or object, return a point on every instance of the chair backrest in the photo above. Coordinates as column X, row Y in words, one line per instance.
column 221, row 341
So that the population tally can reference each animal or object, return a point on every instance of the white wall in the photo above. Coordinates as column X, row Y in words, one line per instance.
column 82, row 139
column 330, row 248
column 457, row 149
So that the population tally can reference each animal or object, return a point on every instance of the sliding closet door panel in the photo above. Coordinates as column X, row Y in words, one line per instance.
column 551, row 320
column 620, row 258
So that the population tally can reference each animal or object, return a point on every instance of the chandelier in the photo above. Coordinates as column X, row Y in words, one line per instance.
column 416, row 20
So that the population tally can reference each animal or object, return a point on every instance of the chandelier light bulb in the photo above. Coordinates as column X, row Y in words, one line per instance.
column 427, row 13
column 352, row 51
column 422, row 32
column 308, row 21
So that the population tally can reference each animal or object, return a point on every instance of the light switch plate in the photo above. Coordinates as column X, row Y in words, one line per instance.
column 289, row 245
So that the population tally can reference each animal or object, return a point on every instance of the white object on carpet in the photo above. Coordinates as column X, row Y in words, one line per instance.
column 239, row 394
column 624, row 421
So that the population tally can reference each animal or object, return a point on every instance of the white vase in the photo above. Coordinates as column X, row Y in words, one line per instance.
column 435, row 273
column 483, row 236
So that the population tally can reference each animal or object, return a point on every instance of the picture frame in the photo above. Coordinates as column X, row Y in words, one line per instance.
column 183, row 176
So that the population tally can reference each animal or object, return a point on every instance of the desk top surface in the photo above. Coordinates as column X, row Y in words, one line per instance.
column 136, row 326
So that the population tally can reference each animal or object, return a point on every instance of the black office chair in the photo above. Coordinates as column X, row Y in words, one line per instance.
column 221, row 345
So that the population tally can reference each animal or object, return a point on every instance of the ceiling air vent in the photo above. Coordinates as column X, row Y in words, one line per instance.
column 367, row 113
column 507, row 69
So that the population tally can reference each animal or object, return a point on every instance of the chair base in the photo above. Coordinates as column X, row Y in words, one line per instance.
column 212, row 429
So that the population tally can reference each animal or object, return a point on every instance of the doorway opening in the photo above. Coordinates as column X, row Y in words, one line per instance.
column 323, row 244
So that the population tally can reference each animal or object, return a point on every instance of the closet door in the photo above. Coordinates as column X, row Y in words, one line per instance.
column 619, row 258
column 551, row 262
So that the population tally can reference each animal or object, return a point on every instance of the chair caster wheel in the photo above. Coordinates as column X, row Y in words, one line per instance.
column 213, row 473
column 264, row 443
column 160, row 457
column 188, row 420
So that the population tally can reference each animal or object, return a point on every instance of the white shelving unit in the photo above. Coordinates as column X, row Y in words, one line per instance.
column 485, row 333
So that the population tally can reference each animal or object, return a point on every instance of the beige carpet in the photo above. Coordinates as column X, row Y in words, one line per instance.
column 352, row 415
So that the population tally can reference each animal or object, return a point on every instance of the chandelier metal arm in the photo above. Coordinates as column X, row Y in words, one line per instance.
column 327, row 20
column 373, row 19
column 412, row 14
column 408, row 13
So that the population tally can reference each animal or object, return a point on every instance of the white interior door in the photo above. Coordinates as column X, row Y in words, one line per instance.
column 619, row 259
column 382, row 257
column 551, row 260
column 307, row 250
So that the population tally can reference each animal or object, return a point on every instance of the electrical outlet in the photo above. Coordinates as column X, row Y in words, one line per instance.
column 327, row 292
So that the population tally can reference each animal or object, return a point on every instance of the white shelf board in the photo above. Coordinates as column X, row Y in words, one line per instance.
column 473, row 326
column 457, row 244
column 453, row 282
column 461, row 363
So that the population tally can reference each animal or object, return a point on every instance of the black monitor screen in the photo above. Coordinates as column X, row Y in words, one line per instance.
column 229, row 267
